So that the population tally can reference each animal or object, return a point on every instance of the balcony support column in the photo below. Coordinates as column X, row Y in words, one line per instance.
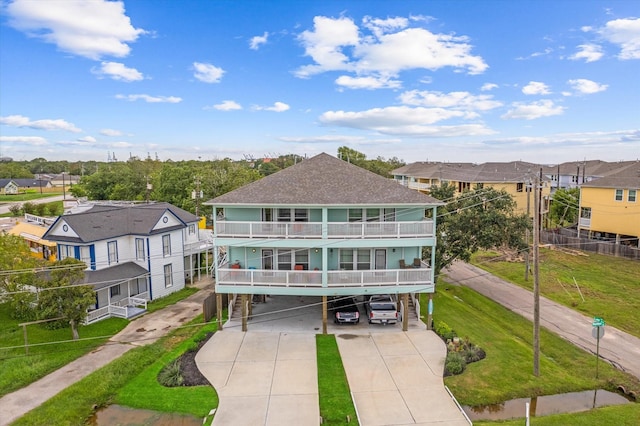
column 405, row 311
column 324, row 314
column 430, row 312
column 219, row 310
column 243, row 303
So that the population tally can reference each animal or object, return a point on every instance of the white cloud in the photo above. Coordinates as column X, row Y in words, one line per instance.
column 88, row 139
column 277, row 107
column 207, row 73
column 488, row 86
column 589, row 52
column 110, row 132
column 404, row 120
column 382, row 48
column 626, row 34
column 118, row 71
column 226, row 106
column 150, row 99
column 258, row 40
column 47, row 124
column 28, row 140
column 591, row 139
column 542, row 108
column 455, row 100
column 87, row 28
column 369, row 82
column 536, row 88
column 338, row 139
column 584, row 86
column 120, row 144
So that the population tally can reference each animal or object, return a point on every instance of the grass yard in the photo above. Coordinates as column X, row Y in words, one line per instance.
column 27, row 197
column 163, row 302
column 335, row 398
column 507, row 371
column 125, row 378
column 610, row 285
column 19, row 369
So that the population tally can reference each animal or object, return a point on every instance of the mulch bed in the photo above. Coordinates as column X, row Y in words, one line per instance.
column 188, row 368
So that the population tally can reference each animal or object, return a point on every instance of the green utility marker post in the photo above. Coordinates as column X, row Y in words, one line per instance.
column 597, row 333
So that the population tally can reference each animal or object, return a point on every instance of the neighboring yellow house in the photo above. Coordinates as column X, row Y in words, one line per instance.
column 610, row 209
column 32, row 234
column 513, row 177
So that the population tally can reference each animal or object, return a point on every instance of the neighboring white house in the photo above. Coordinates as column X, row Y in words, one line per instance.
column 134, row 253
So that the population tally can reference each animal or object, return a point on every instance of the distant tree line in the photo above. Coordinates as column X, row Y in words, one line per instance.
column 184, row 184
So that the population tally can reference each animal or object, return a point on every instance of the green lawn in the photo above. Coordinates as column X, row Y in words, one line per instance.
column 507, row 371
column 19, row 369
column 333, row 389
column 610, row 285
column 27, row 197
column 128, row 377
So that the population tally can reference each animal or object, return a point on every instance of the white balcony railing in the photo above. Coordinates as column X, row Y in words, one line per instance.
column 585, row 222
column 423, row 228
column 418, row 277
column 420, row 186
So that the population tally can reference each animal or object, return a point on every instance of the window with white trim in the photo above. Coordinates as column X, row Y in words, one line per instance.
column 168, row 275
column 355, row 259
column 140, row 249
column 115, row 290
column 192, row 229
column 619, row 194
column 632, row 196
column 112, row 249
column 585, row 212
column 284, row 260
column 85, row 254
column 166, row 245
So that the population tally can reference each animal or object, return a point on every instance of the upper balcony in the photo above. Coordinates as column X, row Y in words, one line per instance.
column 421, row 186
column 585, row 222
column 342, row 230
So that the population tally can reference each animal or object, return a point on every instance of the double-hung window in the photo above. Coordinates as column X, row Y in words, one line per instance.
column 168, row 275
column 112, row 249
column 85, row 255
column 355, row 259
column 619, row 194
column 633, row 193
column 140, row 249
column 192, row 229
column 166, row 245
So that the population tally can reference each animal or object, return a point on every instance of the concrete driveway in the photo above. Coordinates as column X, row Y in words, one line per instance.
column 268, row 375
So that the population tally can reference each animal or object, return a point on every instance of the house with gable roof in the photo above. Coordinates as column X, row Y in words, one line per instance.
column 323, row 227
column 134, row 252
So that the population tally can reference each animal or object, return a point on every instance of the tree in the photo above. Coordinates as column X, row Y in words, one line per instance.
column 564, row 207
column 17, row 275
column 61, row 296
column 484, row 218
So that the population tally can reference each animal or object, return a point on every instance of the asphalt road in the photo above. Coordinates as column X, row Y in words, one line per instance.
column 4, row 207
column 617, row 347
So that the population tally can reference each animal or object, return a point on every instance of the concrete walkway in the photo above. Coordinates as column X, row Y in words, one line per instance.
column 268, row 375
column 619, row 348
column 141, row 331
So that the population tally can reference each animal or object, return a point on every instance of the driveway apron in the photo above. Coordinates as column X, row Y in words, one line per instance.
column 396, row 378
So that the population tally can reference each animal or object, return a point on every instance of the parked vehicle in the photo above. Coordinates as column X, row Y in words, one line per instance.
column 345, row 310
column 382, row 309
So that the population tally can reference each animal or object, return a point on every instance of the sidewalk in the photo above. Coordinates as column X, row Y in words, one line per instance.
column 142, row 331
column 619, row 348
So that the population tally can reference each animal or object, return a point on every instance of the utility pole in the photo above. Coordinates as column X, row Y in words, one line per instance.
column 536, row 276
column 527, row 265
column 197, row 194
column 149, row 186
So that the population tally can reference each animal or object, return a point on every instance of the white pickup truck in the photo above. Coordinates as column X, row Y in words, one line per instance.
column 382, row 309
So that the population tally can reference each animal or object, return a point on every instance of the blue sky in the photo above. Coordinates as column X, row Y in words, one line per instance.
column 541, row 81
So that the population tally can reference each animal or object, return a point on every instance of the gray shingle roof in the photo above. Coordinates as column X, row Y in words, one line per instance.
column 113, row 275
column 323, row 180
column 109, row 221
column 514, row 171
column 627, row 177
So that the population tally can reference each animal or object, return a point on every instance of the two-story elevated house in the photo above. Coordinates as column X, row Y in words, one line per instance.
column 134, row 253
column 323, row 227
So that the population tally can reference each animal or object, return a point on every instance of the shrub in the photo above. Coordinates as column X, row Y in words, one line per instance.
column 444, row 331
column 29, row 207
column 15, row 209
column 170, row 375
column 454, row 364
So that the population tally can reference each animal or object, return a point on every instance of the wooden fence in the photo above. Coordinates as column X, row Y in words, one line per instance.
column 568, row 238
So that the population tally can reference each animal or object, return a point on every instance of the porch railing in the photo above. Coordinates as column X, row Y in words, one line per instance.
column 418, row 277
column 423, row 228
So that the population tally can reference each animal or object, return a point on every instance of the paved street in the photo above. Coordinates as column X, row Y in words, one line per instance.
column 617, row 347
column 4, row 207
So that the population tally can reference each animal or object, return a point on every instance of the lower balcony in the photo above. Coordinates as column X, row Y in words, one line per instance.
column 127, row 308
column 259, row 281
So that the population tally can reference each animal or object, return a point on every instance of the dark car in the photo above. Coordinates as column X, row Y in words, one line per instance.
column 345, row 309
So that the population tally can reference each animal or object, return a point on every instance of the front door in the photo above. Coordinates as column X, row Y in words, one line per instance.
column 381, row 259
column 267, row 259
